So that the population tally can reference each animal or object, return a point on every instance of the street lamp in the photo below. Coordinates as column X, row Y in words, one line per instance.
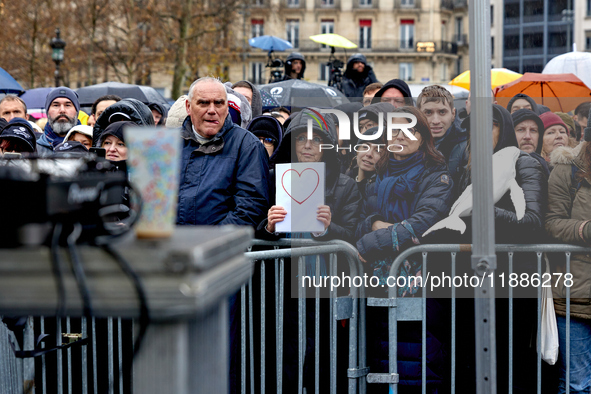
column 57, row 55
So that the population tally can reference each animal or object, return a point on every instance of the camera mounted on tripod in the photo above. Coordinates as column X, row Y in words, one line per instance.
column 276, row 66
column 335, row 65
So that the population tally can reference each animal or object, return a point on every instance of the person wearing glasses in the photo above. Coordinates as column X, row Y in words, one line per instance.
column 412, row 191
column 268, row 130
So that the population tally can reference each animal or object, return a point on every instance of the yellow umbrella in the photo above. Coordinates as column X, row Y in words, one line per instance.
column 498, row 76
column 333, row 40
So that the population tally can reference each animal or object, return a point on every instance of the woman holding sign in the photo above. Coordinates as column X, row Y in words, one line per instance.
column 336, row 212
column 412, row 191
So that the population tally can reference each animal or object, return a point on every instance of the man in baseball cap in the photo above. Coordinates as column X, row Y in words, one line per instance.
column 17, row 137
column 61, row 106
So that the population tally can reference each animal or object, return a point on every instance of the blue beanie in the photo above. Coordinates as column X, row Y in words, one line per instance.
column 62, row 91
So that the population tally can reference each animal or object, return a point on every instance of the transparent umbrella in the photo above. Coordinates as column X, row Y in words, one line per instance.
column 578, row 63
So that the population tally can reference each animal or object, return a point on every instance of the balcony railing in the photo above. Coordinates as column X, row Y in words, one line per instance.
column 407, row 4
column 402, row 46
column 327, row 4
column 460, row 4
column 297, row 4
column 365, row 4
column 460, row 39
column 447, row 5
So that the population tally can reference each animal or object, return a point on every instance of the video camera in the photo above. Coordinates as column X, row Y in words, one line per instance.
column 335, row 74
column 276, row 66
column 39, row 193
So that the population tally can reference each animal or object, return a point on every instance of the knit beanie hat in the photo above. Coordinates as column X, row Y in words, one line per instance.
column 551, row 119
column 62, row 91
column 527, row 114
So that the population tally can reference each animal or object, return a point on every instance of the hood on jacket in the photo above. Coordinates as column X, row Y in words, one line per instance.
column 351, row 73
column 161, row 110
column 267, row 126
column 526, row 114
column 245, row 109
column 534, row 105
column 503, row 118
column 257, row 102
column 177, row 113
column 82, row 129
column 565, row 154
column 299, row 123
column 128, row 109
column 398, row 84
column 288, row 62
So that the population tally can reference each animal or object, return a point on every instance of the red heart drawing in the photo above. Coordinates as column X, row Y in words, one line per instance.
column 300, row 175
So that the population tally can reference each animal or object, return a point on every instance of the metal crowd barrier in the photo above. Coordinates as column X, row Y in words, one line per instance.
column 340, row 308
column 414, row 311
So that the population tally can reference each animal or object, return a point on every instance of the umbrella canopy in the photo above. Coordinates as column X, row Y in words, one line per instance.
column 559, row 92
column 35, row 98
column 498, row 76
column 333, row 40
column 270, row 43
column 8, row 84
column 268, row 101
column 578, row 63
column 146, row 94
column 301, row 94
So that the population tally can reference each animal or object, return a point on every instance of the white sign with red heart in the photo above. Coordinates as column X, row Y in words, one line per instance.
column 300, row 190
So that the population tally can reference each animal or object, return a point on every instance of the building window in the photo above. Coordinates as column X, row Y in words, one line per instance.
column 257, row 27
column 492, row 15
column 459, row 65
column 459, row 29
column 406, row 71
column 257, row 2
column 407, row 3
column 326, row 27
column 365, row 33
column 588, row 40
column 365, row 2
column 292, row 28
column 443, row 31
column 293, row 3
column 407, row 33
column 324, row 72
column 492, row 47
column 444, row 72
column 256, row 73
column 327, row 3
column 588, row 7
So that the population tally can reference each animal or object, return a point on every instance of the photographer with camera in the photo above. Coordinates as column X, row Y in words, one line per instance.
column 358, row 75
column 295, row 66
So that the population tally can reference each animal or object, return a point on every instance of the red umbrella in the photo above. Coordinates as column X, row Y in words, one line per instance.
column 559, row 92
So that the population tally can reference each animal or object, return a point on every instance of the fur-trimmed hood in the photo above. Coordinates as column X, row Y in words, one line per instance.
column 565, row 154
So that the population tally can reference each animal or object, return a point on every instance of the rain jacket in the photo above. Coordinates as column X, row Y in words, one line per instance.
column 224, row 181
column 563, row 221
column 287, row 67
column 257, row 102
column 49, row 140
column 341, row 193
column 453, row 147
column 353, row 82
column 138, row 113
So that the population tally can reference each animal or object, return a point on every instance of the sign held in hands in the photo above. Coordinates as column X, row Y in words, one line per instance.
column 300, row 190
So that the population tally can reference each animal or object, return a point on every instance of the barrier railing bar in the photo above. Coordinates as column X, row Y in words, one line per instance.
column 243, row 339
column 424, row 331
column 84, row 356
column 567, row 326
column 94, row 366
column 43, row 365
column 453, row 326
column 263, row 322
column 251, row 334
column 120, row 354
column 110, row 354
column 510, row 326
column 301, row 325
column 69, row 358
column 333, row 329
column 539, row 315
column 281, row 315
column 317, row 332
column 60, row 371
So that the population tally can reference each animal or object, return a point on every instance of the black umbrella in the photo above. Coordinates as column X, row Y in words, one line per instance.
column 146, row 94
column 301, row 94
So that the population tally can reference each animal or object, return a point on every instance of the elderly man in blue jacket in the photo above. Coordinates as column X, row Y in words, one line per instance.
column 224, row 168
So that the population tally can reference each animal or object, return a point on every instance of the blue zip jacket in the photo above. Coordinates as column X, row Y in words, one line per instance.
column 224, row 181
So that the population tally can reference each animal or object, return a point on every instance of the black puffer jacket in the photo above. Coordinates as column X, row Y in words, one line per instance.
column 453, row 147
column 432, row 202
column 340, row 193
column 353, row 82
column 531, row 178
column 135, row 110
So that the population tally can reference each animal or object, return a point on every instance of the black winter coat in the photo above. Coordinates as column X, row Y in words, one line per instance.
column 432, row 203
column 353, row 82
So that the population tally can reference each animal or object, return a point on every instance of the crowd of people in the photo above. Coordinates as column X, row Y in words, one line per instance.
column 382, row 201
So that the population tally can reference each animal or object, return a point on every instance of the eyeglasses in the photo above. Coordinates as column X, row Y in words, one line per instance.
column 268, row 141
column 411, row 129
column 301, row 140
